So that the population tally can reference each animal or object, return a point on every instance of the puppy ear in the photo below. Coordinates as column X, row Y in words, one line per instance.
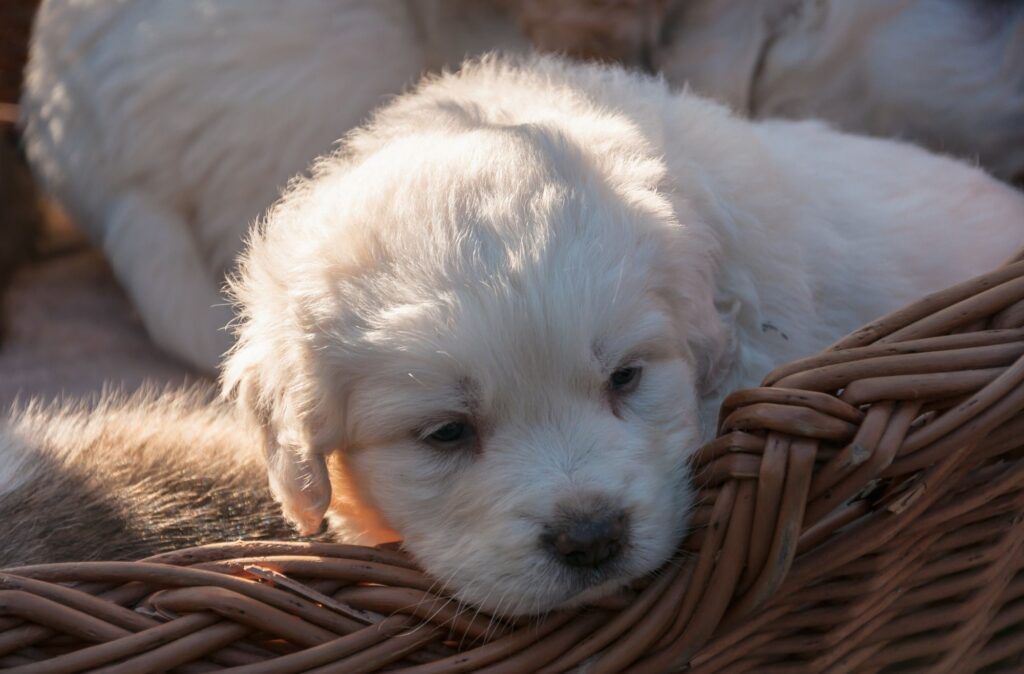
column 297, row 468
column 300, row 483
column 717, row 347
column 703, row 314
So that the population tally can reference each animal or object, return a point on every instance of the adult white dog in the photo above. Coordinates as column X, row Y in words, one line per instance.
column 166, row 128
column 948, row 74
column 499, row 319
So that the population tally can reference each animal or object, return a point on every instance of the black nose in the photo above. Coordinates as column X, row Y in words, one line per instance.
column 588, row 540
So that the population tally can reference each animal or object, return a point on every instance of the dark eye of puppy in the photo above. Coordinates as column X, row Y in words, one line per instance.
column 625, row 379
column 450, row 433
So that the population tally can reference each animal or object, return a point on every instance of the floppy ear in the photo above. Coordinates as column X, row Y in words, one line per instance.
column 717, row 347
column 710, row 314
column 300, row 483
column 686, row 280
column 296, row 466
column 705, row 322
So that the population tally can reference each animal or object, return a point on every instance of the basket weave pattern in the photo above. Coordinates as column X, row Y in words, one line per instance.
column 860, row 512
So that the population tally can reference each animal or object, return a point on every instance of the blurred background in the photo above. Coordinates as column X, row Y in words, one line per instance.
column 67, row 327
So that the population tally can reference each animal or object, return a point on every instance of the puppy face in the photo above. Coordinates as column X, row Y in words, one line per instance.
column 493, row 343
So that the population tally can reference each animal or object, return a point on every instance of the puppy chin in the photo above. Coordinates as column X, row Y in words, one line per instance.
column 526, row 606
column 596, row 592
column 527, row 600
column 551, row 586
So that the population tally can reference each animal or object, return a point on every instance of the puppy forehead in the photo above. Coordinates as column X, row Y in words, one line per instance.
column 504, row 231
column 502, row 259
column 465, row 351
column 510, row 346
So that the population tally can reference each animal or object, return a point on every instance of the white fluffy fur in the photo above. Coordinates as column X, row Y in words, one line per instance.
column 945, row 73
column 494, row 244
column 166, row 128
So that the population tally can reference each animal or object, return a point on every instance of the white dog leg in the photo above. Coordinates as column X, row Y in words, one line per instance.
column 156, row 259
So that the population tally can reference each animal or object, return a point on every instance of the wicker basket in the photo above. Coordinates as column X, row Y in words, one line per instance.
column 861, row 512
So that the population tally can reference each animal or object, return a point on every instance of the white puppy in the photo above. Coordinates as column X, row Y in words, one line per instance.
column 499, row 319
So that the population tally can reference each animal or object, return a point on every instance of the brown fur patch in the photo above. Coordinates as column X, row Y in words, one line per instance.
column 128, row 478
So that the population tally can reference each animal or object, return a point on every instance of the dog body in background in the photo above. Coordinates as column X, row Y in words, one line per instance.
column 166, row 128
column 948, row 74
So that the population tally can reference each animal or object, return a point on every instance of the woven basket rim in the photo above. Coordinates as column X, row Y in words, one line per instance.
column 903, row 436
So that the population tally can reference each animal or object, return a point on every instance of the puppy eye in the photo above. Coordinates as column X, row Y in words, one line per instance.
column 450, row 433
column 625, row 379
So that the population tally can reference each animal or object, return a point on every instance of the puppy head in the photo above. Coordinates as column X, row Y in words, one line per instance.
column 489, row 343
